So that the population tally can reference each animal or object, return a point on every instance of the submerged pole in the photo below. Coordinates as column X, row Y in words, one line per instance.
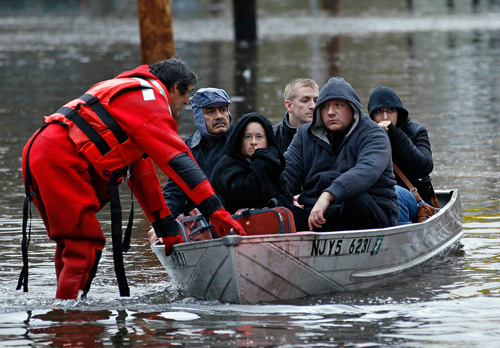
column 157, row 34
column 245, row 22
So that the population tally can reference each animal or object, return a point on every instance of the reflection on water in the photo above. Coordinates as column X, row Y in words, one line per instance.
column 390, row 323
column 442, row 58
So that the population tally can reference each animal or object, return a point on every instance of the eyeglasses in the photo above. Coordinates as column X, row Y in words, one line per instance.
column 388, row 111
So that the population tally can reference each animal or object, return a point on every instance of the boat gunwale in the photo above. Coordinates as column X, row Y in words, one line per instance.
column 233, row 240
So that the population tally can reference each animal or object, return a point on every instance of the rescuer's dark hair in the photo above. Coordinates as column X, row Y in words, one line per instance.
column 174, row 71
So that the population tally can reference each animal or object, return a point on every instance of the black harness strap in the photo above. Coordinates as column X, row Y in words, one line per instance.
column 128, row 230
column 85, row 127
column 116, row 234
column 23, row 276
column 29, row 196
column 106, row 117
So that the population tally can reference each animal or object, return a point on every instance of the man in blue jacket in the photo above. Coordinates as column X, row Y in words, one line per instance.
column 213, row 120
column 340, row 164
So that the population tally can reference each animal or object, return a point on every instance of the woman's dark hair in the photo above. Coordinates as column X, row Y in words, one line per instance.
column 172, row 72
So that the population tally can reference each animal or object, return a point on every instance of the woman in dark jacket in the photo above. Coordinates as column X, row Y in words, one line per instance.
column 250, row 173
column 411, row 149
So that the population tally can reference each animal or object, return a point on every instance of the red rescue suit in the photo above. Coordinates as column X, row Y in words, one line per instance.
column 70, row 172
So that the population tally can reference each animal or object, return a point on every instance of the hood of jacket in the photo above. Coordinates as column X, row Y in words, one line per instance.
column 335, row 88
column 233, row 144
column 384, row 97
column 208, row 97
column 196, row 139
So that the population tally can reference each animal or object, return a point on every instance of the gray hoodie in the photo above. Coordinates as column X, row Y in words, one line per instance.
column 362, row 162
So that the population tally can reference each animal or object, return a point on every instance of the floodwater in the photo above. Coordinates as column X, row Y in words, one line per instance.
column 442, row 57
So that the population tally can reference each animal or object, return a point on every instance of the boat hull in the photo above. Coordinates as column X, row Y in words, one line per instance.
column 267, row 268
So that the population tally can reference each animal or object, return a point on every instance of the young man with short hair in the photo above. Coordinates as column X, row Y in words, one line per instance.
column 300, row 98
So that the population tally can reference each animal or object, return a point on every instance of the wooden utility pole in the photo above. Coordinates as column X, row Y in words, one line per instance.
column 157, row 34
column 245, row 22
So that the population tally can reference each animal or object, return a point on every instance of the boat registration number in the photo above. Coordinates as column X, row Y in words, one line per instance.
column 335, row 247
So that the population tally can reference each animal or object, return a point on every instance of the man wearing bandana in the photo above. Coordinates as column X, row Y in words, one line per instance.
column 213, row 120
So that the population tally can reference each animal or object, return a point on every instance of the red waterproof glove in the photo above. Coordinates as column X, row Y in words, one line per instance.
column 169, row 241
column 223, row 222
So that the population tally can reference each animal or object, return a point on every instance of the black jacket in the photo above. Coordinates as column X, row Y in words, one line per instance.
column 207, row 156
column 284, row 133
column 254, row 182
column 411, row 148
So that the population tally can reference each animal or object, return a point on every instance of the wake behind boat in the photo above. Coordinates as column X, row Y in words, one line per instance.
column 273, row 267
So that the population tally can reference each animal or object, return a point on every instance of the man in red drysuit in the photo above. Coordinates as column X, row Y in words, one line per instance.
column 114, row 132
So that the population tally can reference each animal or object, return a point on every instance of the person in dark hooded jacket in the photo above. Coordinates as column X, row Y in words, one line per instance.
column 213, row 120
column 411, row 149
column 341, row 165
column 250, row 173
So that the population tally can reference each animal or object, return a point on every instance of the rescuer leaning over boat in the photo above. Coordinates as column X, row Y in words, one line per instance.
column 73, row 164
column 341, row 165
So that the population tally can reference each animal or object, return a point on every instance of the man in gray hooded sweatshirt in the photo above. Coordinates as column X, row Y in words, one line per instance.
column 213, row 121
column 340, row 164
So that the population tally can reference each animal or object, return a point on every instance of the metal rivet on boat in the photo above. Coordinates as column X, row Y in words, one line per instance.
column 231, row 240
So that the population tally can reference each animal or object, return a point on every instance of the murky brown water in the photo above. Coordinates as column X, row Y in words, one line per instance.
column 442, row 57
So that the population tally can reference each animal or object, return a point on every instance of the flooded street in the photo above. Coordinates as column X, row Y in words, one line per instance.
column 441, row 57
